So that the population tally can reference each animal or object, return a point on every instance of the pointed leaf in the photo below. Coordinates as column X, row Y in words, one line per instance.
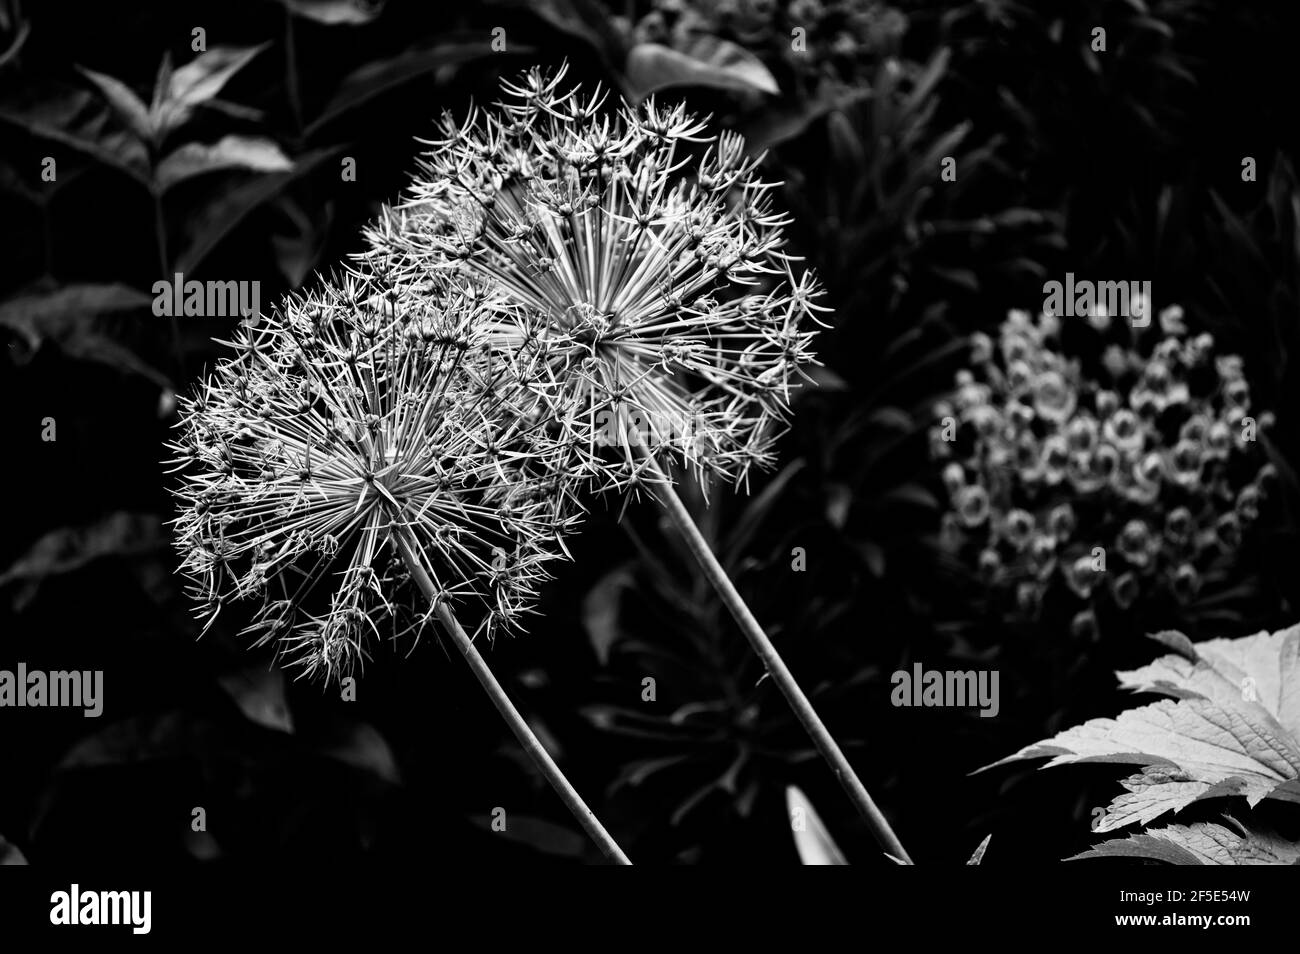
column 9, row 854
column 336, row 11
column 1263, row 668
column 67, row 549
column 601, row 608
column 211, row 224
column 978, row 856
column 1205, row 740
column 379, row 76
column 811, row 839
column 199, row 80
column 1201, row 844
column 705, row 61
column 259, row 694
column 129, row 107
column 77, row 118
column 230, row 152
column 67, row 317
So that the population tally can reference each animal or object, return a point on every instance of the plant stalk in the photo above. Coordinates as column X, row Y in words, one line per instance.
column 527, row 738
column 776, row 667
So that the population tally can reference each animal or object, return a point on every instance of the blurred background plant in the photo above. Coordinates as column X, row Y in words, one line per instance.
column 1122, row 163
column 1112, row 465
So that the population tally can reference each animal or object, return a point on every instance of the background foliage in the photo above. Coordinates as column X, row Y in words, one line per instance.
column 1122, row 164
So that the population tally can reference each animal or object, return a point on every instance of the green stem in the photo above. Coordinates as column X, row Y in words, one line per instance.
column 291, row 75
column 776, row 667
column 527, row 738
column 160, row 238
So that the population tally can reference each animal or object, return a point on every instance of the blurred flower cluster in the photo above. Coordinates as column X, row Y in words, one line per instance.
column 841, row 43
column 1127, row 472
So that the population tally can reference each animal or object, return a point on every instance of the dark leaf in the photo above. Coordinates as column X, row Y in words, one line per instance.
column 379, row 76
column 259, row 693
column 707, row 61
column 336, row 11
column 216, row 220
column 129, row 108
column 230, row 152
column 78, row 119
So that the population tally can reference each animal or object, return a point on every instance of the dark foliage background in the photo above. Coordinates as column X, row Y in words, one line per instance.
column 1123, row 163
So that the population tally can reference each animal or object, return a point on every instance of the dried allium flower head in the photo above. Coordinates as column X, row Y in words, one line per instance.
column 643, row 262
column 1127, row 473
column 362, row 420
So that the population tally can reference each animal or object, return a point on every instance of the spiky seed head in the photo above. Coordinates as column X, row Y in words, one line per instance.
column 356, row 414
column 644, row 262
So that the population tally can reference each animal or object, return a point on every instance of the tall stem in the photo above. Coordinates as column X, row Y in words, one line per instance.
column 164, row 270
column 291, row 75
column 527, row 738
column 776, row 667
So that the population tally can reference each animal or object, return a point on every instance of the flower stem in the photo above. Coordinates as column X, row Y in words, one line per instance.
column 527, row 738
column 776, row 667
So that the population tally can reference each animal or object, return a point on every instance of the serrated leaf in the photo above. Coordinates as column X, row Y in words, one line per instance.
column 1204, row 843
column 705, row 61
column 811, row 839
column 128, row 106
column 1156, row 790
column 1226, row 734
column 1205, row 740
column 1263, row 668
column 229, row 152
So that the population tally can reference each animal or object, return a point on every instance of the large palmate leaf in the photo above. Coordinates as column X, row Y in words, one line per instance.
column 1230, row 729
column 1200, row 844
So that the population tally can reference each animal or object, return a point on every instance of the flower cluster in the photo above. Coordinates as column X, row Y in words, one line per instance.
column 641, row 261
column 843, row 40
column 363, row 432
column 1129, row 471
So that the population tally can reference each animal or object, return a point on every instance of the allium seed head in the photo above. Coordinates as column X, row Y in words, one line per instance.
column 357, row 413
column 643, row 261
